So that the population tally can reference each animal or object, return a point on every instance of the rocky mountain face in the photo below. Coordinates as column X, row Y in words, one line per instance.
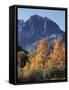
column 36, row 28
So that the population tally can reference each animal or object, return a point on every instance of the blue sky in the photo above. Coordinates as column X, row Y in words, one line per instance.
column 55, row 15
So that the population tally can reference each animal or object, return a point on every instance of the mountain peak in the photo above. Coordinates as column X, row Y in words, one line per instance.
column 35, row 28
column 36, row 17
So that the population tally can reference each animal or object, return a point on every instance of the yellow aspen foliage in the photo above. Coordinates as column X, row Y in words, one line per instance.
column 58, row 56
column 44, row 65
column 42, row 46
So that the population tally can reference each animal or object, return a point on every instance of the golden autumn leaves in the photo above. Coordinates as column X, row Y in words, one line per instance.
column 44, row 64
